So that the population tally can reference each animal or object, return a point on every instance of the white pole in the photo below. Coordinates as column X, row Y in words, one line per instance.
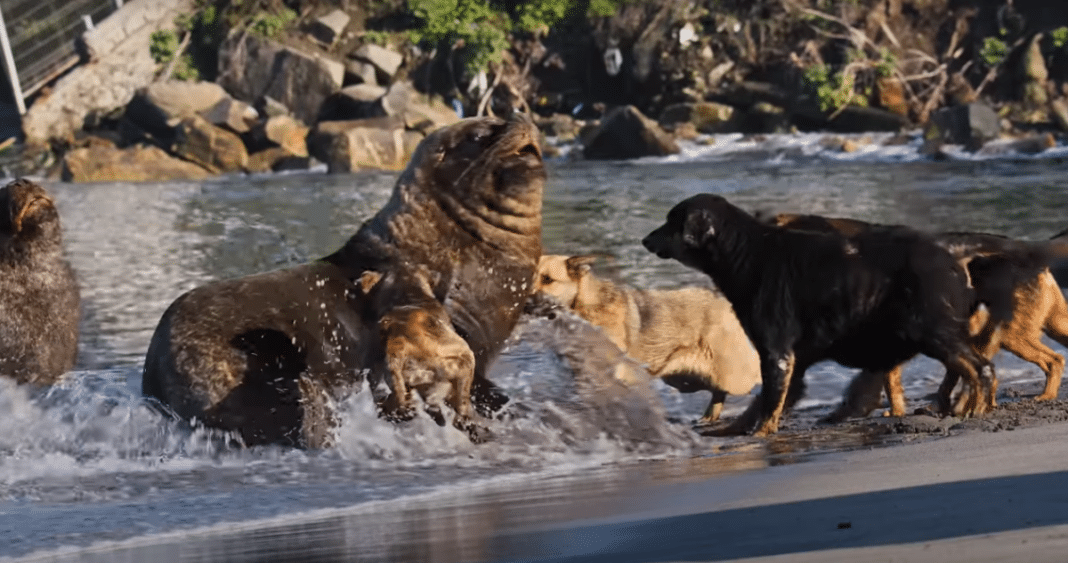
column 9, row 66
column 118, row 3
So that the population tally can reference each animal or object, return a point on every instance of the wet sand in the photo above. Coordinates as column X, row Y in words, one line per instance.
column 878, row 489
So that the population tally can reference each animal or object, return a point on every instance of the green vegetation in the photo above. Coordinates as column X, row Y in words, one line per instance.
column 1059, row 37
column 271, row 24
column 994, row 51
column 833, row 90
column 164, row 48
column 480, row 29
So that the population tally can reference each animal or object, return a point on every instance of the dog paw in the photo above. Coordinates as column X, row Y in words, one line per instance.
column 478, row 433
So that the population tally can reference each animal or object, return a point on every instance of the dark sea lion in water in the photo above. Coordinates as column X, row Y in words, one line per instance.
column 39, row 300
column 260, row 354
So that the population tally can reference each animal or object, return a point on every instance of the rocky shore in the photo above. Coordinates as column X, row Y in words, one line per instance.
column 185, row 90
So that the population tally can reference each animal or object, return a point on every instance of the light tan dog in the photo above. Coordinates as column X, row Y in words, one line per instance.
column 423, row 351
column 688, row 337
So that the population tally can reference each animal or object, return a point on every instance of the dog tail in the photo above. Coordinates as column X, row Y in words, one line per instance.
column 980, row 317
column 996, row 279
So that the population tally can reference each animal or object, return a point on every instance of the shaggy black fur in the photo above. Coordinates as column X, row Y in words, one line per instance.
column 869, row 301
column 39, row 297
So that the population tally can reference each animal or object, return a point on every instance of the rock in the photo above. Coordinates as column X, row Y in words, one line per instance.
column 159, row 107
column 101, row 163
column 761, row 117
column 214, row 148
column 252, row 67
column 362, row 148
column 960, row 91
column 121, row 63
column 855, row 119
column 285, row 132
column 971, row 125
column 395, row 100
column 235, row 115
column 892, row 95
column 1058, row 109
column 685, row 131
column 706, row 117
column 360, row 72
column 353, row 102
column 385, row 61
column 1032, row 144
column 321, row 138
column 426, row 113
column 329, row 27
column 275, row 159
column 559, row 125
column 716, row 75
column 271, row 107
column 625, row 133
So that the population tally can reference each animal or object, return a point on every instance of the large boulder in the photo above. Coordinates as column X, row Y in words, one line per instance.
column 353, row 102
column 160, row 106
column 103, row 163
column 235, row 115
column 214, row 148
column 362, row 148
column 329, row 27
column 252, row 67
column 971, row 125
column 706, row 117
column 321, row 138
column 625, row 133
column 283, row 132
column 385, row 61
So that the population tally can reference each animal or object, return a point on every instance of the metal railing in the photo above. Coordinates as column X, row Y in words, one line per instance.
column 38, row 38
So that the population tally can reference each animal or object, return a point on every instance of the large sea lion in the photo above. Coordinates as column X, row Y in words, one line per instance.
column 259, row 354
column 39, row 299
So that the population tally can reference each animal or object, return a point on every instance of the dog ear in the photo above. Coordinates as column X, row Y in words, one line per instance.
column 698, row 229
column 368, row 280
column 578, row 266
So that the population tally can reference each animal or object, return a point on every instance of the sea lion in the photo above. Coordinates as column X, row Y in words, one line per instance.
column 39, row 299
column 261, row 354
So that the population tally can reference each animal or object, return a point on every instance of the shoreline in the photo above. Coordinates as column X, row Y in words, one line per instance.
column 973, row 495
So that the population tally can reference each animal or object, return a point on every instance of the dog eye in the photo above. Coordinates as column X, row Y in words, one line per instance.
column 546, row 280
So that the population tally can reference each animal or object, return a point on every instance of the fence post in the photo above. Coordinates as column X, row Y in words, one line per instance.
column 9, row 66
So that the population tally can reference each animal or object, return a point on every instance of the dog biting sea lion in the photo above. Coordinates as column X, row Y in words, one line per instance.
column 260, row 355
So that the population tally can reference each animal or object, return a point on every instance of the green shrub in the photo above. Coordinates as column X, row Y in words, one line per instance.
column 1059, row 37
column 271, row 24
column 483, row 28
column 163, row 48
column 994, row 51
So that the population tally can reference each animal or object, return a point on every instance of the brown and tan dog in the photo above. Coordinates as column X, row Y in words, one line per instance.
column 690, row 338
column 423, row 351
column 1040, row 309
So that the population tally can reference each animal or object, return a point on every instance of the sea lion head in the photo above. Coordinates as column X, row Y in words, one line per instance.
column 486, row 168
column 27, row 212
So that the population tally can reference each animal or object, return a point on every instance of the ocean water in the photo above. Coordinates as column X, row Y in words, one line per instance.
column 90, row 471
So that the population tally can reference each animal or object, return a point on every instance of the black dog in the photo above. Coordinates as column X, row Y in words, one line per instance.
column 1000, row 269
column 870, row 301
column 39, row 302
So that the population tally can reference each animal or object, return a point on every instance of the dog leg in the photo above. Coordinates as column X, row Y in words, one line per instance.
column 895, row 392
column 976, row 397
column 744, row 423
column 715, row 407
column 860, row 398
column 1037, row 353
column 1056, row 326
column 776, row 371
column 398, row 405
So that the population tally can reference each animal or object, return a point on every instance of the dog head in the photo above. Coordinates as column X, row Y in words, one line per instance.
column 26, row 210
column 691, row 229
column 562, row 277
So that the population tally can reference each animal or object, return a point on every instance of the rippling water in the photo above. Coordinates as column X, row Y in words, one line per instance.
column 89, row 463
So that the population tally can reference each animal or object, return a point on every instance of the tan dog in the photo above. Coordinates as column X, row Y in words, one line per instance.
column 688, row 337
column 423, row 351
